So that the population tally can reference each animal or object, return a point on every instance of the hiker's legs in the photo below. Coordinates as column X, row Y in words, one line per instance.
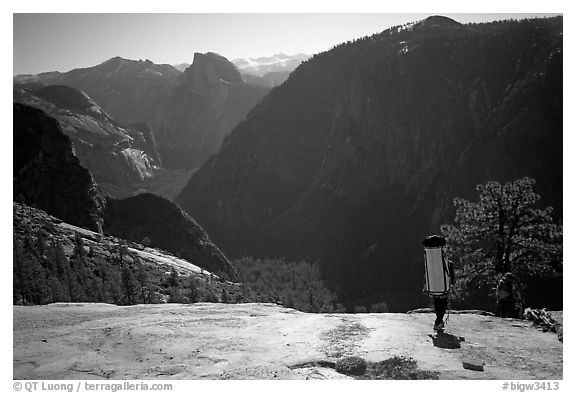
column 440, row 306
column 506, row 309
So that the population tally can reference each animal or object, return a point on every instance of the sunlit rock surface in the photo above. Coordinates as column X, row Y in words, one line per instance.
column 263, row 341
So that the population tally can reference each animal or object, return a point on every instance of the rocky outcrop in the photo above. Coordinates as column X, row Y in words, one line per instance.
column 358, row 155
column 208, row 70
column 47, row 175
column 143, row 139
column 113, row 154
column 167, row 227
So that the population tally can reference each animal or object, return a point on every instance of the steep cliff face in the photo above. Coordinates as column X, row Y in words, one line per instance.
column 358, row 155
column 47, row 175
column 167, row 227
column 208, row 70
column 144, row 139
column 207, row 101
column 189, row 112
column 112, row 153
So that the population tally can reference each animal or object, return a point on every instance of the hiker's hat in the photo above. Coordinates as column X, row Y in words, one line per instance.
column 434, row 241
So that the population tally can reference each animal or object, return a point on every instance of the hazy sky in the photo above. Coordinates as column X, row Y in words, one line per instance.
column 61, row 42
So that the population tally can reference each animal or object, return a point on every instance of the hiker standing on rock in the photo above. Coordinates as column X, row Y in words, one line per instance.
column 441, row 301
column 509, row 303
column 439, row 276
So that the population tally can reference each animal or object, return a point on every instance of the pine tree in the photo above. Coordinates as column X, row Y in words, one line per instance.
column 79, row 250
column 152, row 296
column 57, row 260
column 115, row 285
column 146, row 242
column 502, row 232
column 311, row 301
column 97, row 291
column 175, row 295
column 57, row 290
column 118, row 257
column 29, row 244
column 224, row 296
column 101, row 274
column 60, row 266
column 40, row 289
column 22, row 273
column 79, row 276
column 128, row 285
column 173, row 278
column 143, row 283
column 210, row 297
column 41, row 248
column 70, row 282
column 192, row 289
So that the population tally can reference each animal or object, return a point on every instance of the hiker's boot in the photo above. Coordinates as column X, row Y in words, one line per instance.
column 439, row 326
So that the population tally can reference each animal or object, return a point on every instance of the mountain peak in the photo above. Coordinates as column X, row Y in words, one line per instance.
column 438, row 22
column 209, row 69
column 181, row 66
column 115, row 60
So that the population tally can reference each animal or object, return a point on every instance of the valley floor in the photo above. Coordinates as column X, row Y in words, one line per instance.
column 264, row 341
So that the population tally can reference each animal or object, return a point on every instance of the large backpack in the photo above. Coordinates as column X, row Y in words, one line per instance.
column 437, row 273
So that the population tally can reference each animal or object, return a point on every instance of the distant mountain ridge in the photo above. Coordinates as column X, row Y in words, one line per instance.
column 181, row 66
column 269, row 71
column 124, row 88
column 265, row 71
column 261, row 66
column 189, row 112
column 358, row 155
